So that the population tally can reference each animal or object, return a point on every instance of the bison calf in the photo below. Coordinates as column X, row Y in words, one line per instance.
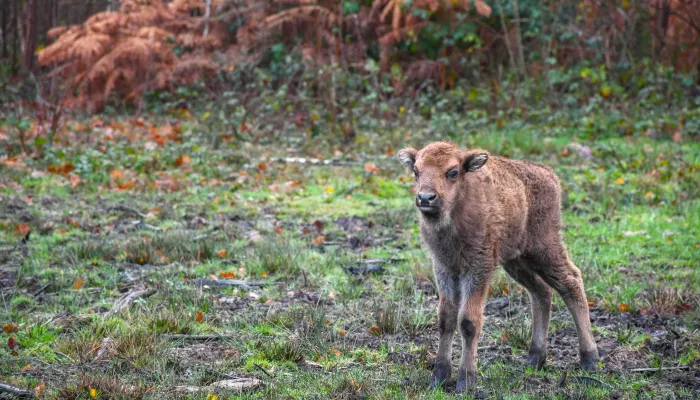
column 478, row 211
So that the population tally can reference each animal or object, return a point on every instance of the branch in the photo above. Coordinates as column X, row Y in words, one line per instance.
column 126, row 300
column 16, row 392
column 658, row 369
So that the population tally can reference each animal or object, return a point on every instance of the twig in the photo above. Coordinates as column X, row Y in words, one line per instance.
column 127, row 299
column 262, row 369
column 41, row 290
column 231, row 282
column 16, row 392
column 127, row 209
column 106, row 343
column 178, row 336
column 659, row 369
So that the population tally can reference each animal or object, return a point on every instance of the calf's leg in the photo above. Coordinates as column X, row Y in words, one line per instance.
column 541, row 298
column 471, row 318
column 447, row 323
column 555, row 268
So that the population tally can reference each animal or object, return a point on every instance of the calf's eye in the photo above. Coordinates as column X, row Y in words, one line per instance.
column 452, row 174
column 415, row 172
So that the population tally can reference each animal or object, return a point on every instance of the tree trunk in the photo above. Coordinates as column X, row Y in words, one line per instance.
column 30, row 35
column 207, row 15
column 3, row 28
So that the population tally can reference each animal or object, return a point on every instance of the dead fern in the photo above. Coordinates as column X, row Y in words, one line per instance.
column 131, row 51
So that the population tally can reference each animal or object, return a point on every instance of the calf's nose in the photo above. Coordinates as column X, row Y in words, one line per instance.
column 425, row 198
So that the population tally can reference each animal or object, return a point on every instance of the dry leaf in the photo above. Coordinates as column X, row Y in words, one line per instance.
column 592, row 303
column 620, row 180
column 183, row 160
column 227, row 275
column 78, row 284
column 22, row 229
column 262, row 166
column 342, row 332
column 200, row 316
column 371, row 168
column 648, row 195
column 11, row 343
column 221, row 253
column 318, row 225
column 278, row 229
column 623, row 307
column 26, row 368
column 375, row 330
column 318, row 240
column 264, row 274
column 39, row 389
column 10, row 328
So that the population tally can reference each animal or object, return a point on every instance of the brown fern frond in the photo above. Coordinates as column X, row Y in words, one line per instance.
column 153, row 33
column 55, row 32
column 89, row 48
column 323, row 15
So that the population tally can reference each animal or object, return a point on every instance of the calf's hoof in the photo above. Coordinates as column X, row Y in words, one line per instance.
column 589, row 360
column 536, row 359
column 466, row 382
column 441, row 373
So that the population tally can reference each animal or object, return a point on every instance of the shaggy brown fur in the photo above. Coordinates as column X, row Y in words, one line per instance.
column 478, row 211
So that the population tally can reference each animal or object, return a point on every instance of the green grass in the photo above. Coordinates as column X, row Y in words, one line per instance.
column 630, row 214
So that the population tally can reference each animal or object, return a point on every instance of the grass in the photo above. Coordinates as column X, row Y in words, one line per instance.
column 630, row 214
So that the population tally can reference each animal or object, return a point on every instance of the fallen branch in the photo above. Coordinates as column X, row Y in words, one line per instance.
column 16, row 392
column 126, row 300
column 104, row 347
column 178, row 336
column 231, row 282
column 659, row 369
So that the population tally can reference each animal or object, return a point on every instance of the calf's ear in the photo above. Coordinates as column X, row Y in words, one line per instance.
column 475, row 161
column 407, row 157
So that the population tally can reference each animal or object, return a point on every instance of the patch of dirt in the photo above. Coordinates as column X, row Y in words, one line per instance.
column 210, row 353
column 402, row 358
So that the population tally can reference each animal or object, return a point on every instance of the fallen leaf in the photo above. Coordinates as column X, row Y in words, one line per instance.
column 200, row 316
column 592, row 303
column 620, row 181
column 26, row 368
column 227, row 275
column 39, row 389
column 375, row 330
column 278, row 229
column 342, row 332
column 319, row 226
column 11, row 343
column 336, row 352
column 22, row 229
column 183, row 160
column 264, row 274
column 78, row 284
column 262, row 166
column 318, row 240
column 371, row 168
column 623, row 307
column 221, row 253
column 10, row 328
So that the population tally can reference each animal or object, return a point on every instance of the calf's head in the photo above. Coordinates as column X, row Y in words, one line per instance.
column 442, row 175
